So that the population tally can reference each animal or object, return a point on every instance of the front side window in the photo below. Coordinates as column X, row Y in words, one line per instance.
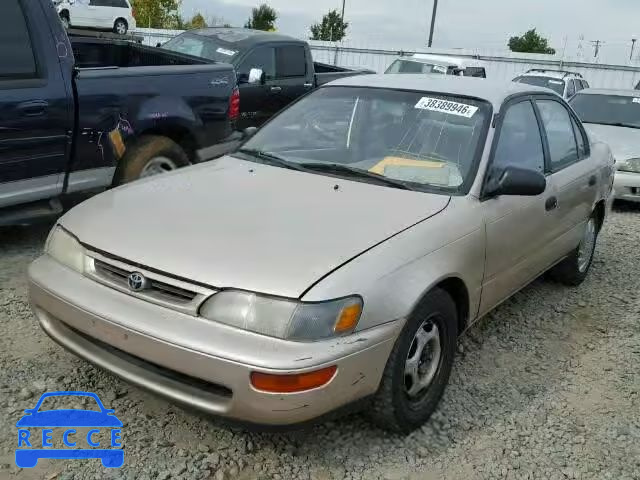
column 541, row 81
column 291, row 61
column 262, row 58
column 520, row 144
column 16, row 54
column 616, row 110
column 559, row 130
column 428, row 140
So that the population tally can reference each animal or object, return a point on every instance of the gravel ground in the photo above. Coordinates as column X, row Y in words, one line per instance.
column 546, row 387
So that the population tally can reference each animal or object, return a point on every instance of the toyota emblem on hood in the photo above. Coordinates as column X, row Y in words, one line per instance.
column 137, row 282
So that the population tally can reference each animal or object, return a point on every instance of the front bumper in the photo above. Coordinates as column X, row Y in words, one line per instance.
column 197, row 362
column 627, row 186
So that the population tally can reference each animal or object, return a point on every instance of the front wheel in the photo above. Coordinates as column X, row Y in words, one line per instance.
column 574, row 269
column 120, row 27
column 419, row 365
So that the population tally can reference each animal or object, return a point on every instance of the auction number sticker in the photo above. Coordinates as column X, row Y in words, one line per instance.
column 224, row 51
column 446, row 106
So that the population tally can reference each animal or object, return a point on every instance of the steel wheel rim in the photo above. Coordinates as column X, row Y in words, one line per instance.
column 121, row 28
column 158, row 166
column 585, row 249
column 423, row 359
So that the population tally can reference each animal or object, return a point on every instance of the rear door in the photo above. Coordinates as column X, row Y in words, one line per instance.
column 100, row 13
column 291, row 74
column 36, row 114
column 573, row 172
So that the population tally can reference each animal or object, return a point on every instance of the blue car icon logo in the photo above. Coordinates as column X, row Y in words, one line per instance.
column 69, row 420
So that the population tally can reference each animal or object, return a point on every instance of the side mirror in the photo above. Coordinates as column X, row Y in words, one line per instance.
column 249, row 132
column 516, row 181
column 256, row 76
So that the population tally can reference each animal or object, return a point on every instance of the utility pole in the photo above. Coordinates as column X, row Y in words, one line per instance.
column 596, row 47
column 633, row 46
column 343, row 11
column 433, row 22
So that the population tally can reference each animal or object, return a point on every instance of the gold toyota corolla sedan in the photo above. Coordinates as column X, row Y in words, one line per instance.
column 336, row 255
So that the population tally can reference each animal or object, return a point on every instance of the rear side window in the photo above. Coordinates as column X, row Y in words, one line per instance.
column 291, row 61
column 562, row 141
column 580, row 140
column 571, row 88
column 16, row 53
column 262, row 58
column 118, row 3
column 520, row 143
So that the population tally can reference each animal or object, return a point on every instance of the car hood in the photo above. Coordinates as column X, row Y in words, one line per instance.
column 231, row 223
column 624, row 141
column 69, row 418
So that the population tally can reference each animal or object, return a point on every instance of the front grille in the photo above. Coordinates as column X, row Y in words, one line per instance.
column 162, row 290
column 181, row 378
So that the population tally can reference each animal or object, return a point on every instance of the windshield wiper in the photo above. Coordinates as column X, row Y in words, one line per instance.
column 272, row 159
column 356, row 172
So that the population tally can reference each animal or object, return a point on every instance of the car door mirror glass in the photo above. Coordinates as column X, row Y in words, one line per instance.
column 516, row 181
column 256, row 76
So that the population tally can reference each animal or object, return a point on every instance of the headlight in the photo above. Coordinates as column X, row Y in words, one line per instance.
column 282, row 318
column 65, row 249
column 630, row 165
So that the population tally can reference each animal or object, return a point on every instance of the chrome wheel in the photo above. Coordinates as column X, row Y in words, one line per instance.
column 423, row 359
column 156, row 166
column 121, row 28
column 587, row 244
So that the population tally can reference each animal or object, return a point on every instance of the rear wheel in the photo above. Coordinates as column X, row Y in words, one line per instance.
column 120, row 26
column 150, row 155
column 419, row 365
column 574, row 269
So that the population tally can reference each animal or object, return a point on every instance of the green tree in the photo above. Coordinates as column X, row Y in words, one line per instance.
column 530, row 42
column 197, row 21
column 332, row 28
column 156, row 13
column 262, row 18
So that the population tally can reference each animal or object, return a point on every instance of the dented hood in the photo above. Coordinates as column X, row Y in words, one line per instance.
column 239, row 224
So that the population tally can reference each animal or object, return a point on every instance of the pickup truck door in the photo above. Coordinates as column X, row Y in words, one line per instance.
column 257, row 101
column 36, row 111
column 292, row 78
column 518, row 228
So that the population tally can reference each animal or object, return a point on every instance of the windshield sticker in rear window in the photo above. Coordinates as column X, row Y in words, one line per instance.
column 636, row 100
column 224, row 51
column 446, row 106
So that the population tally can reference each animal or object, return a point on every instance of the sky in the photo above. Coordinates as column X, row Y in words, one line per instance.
column 485, row 24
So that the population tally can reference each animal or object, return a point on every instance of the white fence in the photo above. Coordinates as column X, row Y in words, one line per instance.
column 503, row 66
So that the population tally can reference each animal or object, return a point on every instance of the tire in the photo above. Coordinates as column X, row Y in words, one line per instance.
column 120, row 26
column 149, row 152
column 64, row 18
column 393, row 408
column 574, row 269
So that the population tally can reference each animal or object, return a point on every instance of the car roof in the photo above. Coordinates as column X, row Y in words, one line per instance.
column 443, row 60
column 559, row 74
column 610, row 91
column 493, row 91
column 242, row 37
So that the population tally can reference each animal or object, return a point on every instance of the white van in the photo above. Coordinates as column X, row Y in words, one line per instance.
column 116, row 15
column 446, row 65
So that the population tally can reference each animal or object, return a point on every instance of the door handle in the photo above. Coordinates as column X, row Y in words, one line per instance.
column 592, row 180
column 551, row 204
column 276, row 89
column 33, row 108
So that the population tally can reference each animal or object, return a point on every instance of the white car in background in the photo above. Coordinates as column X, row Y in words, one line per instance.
column 613, row 116
column 444, row 64
column 116, row 15
column 564, row 83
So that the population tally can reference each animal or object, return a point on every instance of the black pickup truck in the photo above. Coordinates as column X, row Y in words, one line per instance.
column 273, row 70
column 83, row 115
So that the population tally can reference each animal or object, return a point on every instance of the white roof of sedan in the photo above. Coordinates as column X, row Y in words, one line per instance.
column 494, row 91
column 443, row 60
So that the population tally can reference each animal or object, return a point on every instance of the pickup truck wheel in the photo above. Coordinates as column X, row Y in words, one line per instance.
column 574, row 269
column 419, row 365
column 150, row 155
column 120, row 26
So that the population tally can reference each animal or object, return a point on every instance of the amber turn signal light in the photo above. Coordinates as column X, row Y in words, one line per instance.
column 348, row 318
column 299, row 382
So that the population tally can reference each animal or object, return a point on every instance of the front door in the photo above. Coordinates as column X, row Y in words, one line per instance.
column 517, row 227
column 35, row 112
column 258, row 102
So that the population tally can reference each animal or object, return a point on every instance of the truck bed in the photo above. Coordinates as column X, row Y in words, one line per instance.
column 107, row 53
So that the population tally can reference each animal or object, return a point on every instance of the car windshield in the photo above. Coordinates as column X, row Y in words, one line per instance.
column 410, row 66
column 69, row 402
column 608, row 109
column 201, row 46
column 540, row 81
column 428, row 141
